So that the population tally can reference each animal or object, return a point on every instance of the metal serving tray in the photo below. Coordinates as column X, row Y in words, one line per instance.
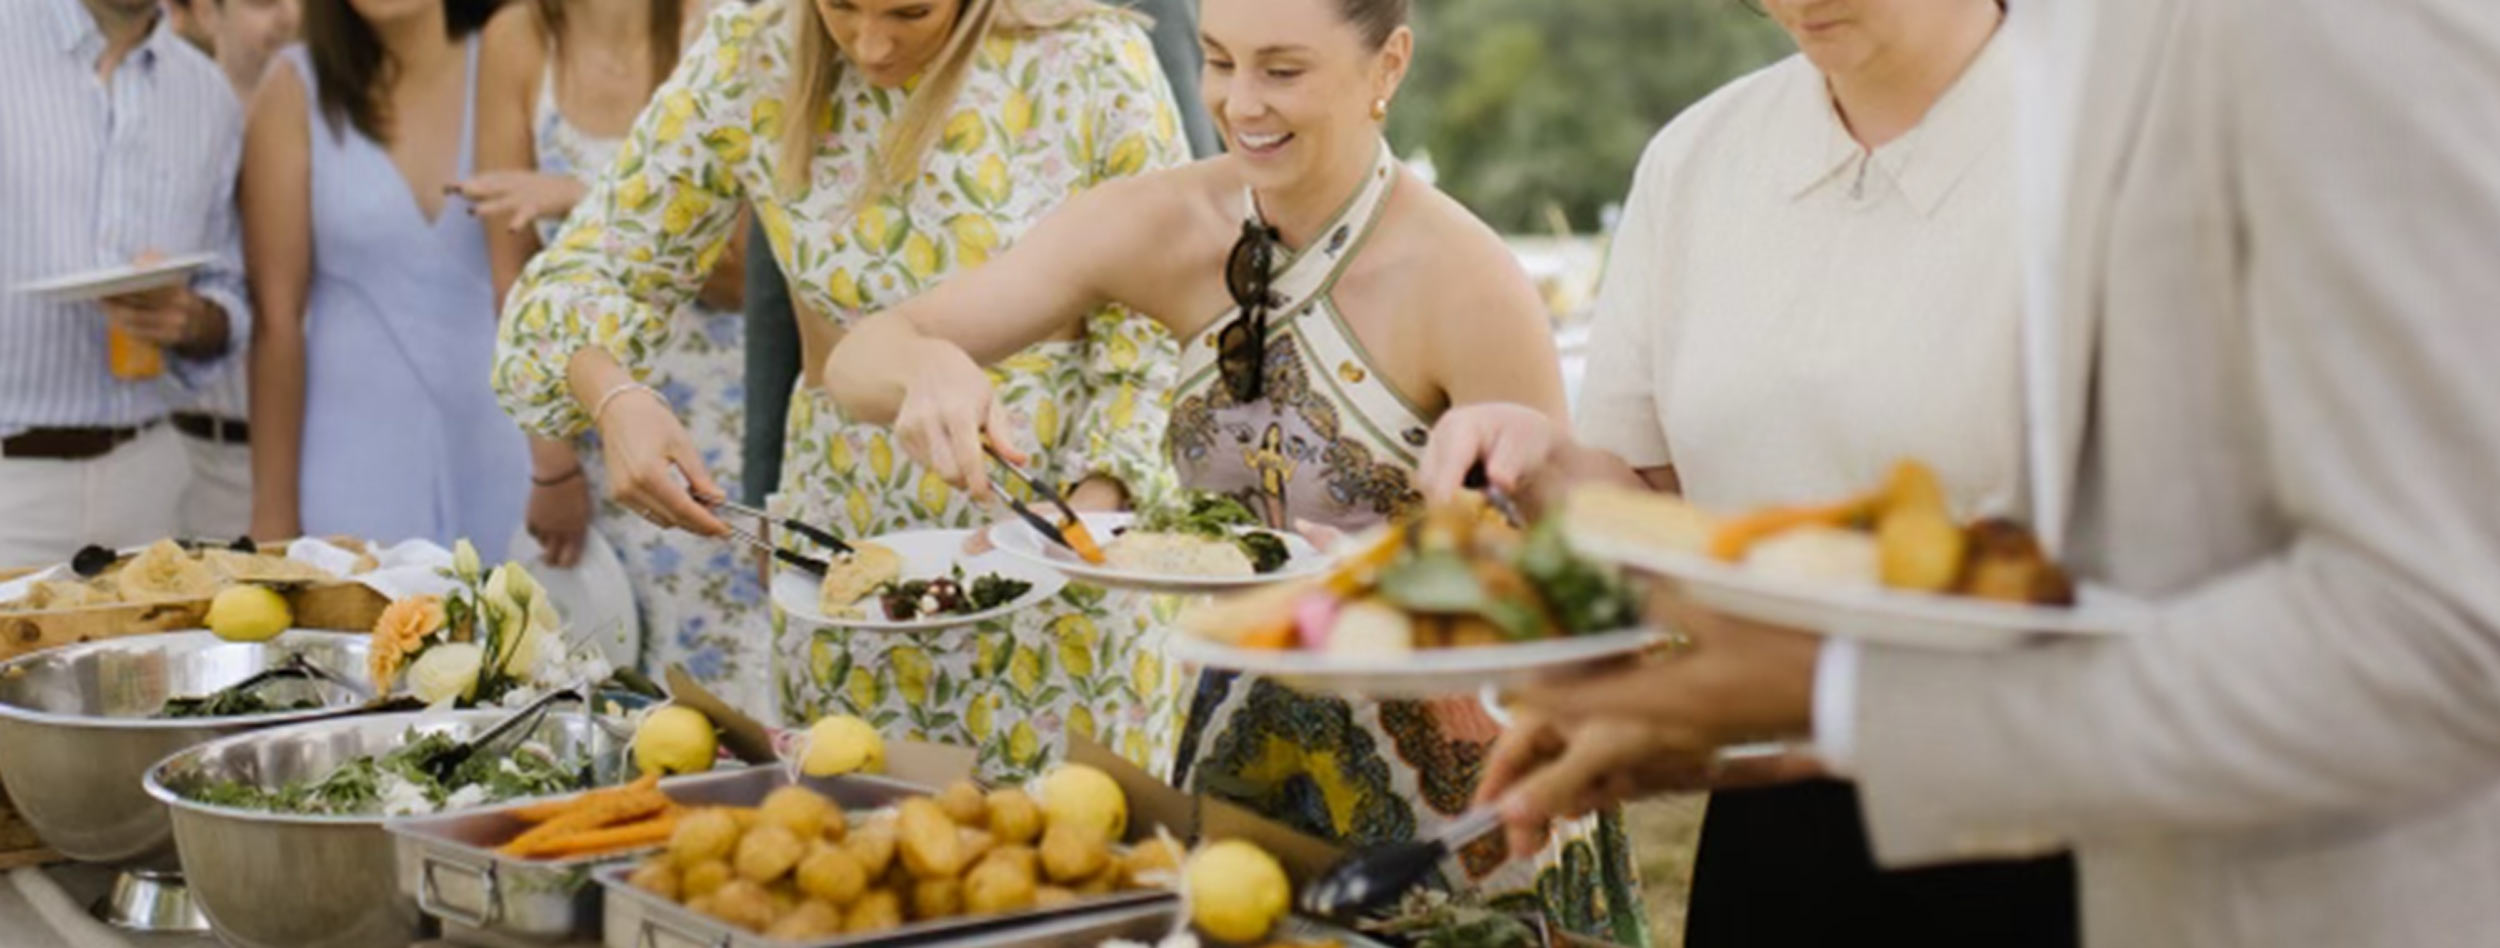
column 638, row 919
column 448, row 863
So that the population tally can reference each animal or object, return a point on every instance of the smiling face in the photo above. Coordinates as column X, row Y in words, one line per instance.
column 1292, row 84
column 889, row 41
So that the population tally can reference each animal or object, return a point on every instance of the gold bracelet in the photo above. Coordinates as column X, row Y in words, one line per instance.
column 601, row 410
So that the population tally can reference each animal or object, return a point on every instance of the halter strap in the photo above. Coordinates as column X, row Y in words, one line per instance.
column 1303, row 273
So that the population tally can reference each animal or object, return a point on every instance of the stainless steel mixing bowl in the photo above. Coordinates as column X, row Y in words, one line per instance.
column 275, row 880
column 77, row 732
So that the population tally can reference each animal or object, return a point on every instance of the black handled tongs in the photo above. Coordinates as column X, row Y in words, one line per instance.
column 1071, row 535
column 1500, row 499
column 801, row 561
column 810, row 531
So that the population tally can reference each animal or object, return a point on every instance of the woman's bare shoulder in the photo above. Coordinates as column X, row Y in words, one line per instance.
column 514, row 36
column 279, row 103
column 1159, row 208
column 1449, row 254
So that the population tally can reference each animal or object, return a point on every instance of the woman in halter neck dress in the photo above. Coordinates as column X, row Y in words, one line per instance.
column 1388, row 303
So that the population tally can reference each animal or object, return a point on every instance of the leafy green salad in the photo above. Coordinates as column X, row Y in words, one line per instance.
column 399, row 783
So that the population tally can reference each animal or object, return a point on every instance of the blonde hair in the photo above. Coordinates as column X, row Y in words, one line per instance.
column 815, row 66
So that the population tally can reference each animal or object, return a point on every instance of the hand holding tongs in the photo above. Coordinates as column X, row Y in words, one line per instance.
column 801, row 561
column 1500, row 499
column 1073, row 535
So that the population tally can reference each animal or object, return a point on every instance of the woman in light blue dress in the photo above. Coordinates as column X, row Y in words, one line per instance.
column 371, row 406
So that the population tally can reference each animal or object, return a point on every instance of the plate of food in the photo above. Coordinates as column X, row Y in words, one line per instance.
column 117, row 280
column 916, row 581
column 1209, row 544
column 1892, row 565
column 1450, row 603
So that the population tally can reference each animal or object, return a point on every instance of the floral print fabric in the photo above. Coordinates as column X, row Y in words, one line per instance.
column 1040, row 115
column 694, row 598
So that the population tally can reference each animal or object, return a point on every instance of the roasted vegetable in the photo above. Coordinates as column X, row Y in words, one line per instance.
column 948, row 595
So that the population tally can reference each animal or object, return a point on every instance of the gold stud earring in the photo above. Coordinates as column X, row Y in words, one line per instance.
column 1380, row 110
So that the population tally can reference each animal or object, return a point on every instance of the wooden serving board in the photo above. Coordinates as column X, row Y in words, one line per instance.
column 340, row 606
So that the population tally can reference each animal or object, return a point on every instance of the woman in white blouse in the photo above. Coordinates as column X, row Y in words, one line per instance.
column 1816, row 277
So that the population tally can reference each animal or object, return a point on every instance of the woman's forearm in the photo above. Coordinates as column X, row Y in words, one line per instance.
column 591, row 374
column 869, row 371
column 277, row 420
column 553, row 460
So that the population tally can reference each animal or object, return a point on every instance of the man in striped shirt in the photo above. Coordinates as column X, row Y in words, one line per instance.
column 118, row 142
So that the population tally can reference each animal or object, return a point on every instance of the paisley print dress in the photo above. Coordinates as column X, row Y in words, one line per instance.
column 1331, row 442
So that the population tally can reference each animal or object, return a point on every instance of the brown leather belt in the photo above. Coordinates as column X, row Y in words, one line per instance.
column 68, row 444
column 214, row 429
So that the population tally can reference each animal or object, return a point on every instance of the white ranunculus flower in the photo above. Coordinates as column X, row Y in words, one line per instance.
column 446, row 671
column 464, row 561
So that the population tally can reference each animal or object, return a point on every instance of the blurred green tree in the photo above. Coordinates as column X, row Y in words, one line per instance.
column 1527, row 106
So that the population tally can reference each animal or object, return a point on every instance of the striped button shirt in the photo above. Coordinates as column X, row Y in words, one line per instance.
column 93, row 172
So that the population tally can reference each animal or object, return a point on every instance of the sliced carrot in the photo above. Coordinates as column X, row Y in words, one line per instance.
column 630, row 805
column 1355, row 571
column 1740, row 534
column 634, row 835
column 545, row 810
column 1083, row 541
column 1274, row 637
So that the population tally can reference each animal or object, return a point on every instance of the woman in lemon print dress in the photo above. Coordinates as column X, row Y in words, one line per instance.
column 884, row 144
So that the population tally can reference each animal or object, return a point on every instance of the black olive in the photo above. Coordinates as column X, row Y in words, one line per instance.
column 243, row 545
column 91, row 561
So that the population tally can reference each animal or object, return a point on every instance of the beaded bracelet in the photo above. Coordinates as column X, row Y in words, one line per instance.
column 600, row 410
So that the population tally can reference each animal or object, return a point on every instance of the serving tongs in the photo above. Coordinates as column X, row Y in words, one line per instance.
column 1376, row 878
column 442, row 766
column 1071, row 535
column 801, row 561
column 1499, row 499
column 819, row 534
column 93, row 559
column 295, row 667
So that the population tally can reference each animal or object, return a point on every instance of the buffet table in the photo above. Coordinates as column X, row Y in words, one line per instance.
column 46, row 907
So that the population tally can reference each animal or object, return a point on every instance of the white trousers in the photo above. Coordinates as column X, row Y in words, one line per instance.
column 217, row 500
column 48, row 509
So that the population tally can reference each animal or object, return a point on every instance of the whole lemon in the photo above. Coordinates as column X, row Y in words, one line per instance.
column 1236, row 891
column 674, row 739
column 843, row 744
column 1079, row 796
column 249, row 614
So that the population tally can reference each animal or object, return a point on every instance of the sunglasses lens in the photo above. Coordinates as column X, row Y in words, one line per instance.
column 1238, row 354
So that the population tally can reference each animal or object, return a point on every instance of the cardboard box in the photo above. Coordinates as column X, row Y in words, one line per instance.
column 1194, row 820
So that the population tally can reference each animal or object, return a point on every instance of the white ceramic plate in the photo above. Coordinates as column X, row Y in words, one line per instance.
column 927, row 554
column 115, row 281
column 1873, row 614
column 1422, row 673
column 1019, row 539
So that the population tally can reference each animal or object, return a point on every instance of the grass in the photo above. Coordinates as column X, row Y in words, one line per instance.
column 1664, row 832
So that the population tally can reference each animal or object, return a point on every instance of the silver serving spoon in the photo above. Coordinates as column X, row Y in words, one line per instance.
column 1376, row 878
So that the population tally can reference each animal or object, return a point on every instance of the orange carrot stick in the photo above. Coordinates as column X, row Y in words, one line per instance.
column 630, row 805
column 545, row 810
column 1740, row 534
column 635, row 835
